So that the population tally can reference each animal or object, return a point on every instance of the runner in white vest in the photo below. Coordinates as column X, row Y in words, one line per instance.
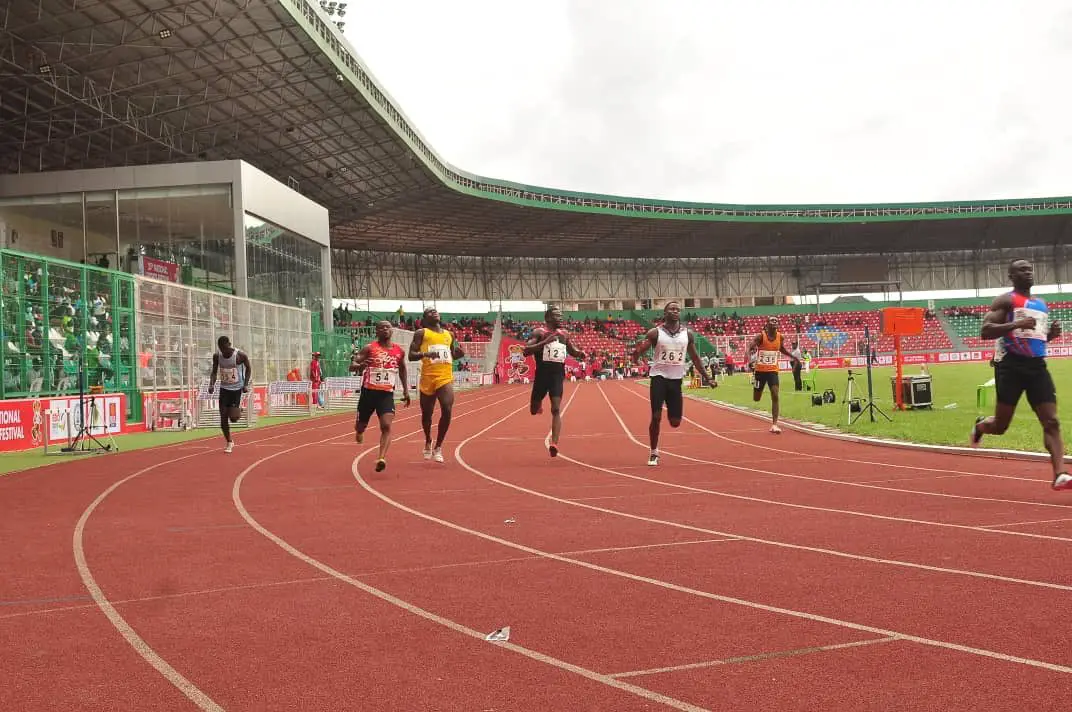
column 671, row 342
column 234, row 371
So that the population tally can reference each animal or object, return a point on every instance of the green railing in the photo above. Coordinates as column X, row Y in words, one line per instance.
column 56, row 315
column 336, row 347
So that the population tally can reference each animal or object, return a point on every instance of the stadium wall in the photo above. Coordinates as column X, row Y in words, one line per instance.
column 724, row 281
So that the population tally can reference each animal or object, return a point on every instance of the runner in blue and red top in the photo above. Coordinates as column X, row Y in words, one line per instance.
column 382, row 366
column 1021, row 326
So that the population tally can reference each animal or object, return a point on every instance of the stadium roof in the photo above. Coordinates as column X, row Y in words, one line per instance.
column 125, row 82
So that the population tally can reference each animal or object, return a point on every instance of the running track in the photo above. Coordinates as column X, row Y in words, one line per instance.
column 747, row 571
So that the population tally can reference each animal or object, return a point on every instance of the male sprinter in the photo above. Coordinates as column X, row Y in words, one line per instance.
column 671, row 341
column 1020, row 324
column 382, row 365
column 771, row 346
column 437, row 377
column 234, row 371
column 549, row 345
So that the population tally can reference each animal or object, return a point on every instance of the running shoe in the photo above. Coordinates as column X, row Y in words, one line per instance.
column 359, row 436
column 381, row 465
column 230, row 446
column 1062, row 482
column 976, row 436
column 437, row 454
column 428, row 451
column 653, row 459
column 775, row 429
column 553, row 450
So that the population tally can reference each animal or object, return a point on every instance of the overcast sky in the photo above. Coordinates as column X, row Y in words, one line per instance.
column 764, row 101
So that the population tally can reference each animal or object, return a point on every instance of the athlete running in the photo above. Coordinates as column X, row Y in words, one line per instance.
column 1021, row 326
column 382, row 366
column 671, row 342
column 771, row 347
column 437, row 377
column 234, row 371
column 549, row 345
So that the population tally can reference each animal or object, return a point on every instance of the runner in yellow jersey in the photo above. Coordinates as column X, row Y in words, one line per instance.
column 437, row 350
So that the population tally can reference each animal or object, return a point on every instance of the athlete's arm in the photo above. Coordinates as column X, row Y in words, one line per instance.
column 358, row 362
column 754, row 346
column 415, row 346
column 243, row 359
column 403, row 377
column 696, row 362
column 996, row 324
column 786, row 351
column 455, row 350
column 215, row 368
column 540, row 338
column 649, row 342
column 573, row 350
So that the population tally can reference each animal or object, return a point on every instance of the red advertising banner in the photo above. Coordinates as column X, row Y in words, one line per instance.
column 22, row 421
column 159, row 269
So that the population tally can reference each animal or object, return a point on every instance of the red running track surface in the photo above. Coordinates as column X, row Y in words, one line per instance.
column 747, row 571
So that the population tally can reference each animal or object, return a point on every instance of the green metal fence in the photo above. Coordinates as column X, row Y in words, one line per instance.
column 336, row 347
column 56, row 315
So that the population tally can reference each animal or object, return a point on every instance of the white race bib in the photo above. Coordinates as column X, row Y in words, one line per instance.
column 671, row 357
column 229, row 376
column 381, row 377
column 555, row 352
column 439, row 352
column 768, row 358
column 1041, row 324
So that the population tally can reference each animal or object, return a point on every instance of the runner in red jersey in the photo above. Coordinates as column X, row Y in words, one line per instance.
column 382, row 366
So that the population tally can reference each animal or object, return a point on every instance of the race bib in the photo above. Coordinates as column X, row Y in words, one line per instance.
column 767, row 358
column 671, row 357
column 439, row 353
column 555, row 352
column 1042, row 325
column 229, row 376
column 381, row 377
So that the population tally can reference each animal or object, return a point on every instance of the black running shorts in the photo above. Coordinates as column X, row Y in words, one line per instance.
column 372, row 401
column 1016, row 375
column 230, row 399
column 548, row 382
column 764, row 378
column 667, row 391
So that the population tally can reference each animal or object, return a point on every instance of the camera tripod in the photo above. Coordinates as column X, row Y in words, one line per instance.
column 84, row 440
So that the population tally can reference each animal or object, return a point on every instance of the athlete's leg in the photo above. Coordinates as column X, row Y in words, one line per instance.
column 365, row 409
column 657, row 394
column 539, row 392
column 556, row 419
column 757, row 386
column 1051, row 435
column 446, row 407
column 1009, row 385
column 385, row 439
column 775, row 402
column 675, row 403
column 427, row 409
column 225, row 425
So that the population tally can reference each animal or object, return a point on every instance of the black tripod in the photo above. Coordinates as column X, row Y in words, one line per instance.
column 84, row 440
column 870, row 408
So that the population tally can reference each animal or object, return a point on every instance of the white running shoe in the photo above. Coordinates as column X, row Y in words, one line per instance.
column 1062, row 482
column 653, row 459
column 775, row 429
column 428, row 452
column 230, row 447
column 437, row 455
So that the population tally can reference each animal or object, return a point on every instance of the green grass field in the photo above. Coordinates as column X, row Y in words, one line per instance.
column 948, row 422
column 26, row 459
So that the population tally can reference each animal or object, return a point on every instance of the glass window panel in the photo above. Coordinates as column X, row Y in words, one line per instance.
column 190, row 227
column 48, row 225
column 282, row 267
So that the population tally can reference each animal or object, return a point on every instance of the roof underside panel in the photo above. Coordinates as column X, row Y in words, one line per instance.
column 130, row 82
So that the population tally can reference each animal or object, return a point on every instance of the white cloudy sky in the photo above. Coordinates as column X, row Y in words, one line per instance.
column 765, row 101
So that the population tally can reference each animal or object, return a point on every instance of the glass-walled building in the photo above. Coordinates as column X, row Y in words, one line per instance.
column 223, row 226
